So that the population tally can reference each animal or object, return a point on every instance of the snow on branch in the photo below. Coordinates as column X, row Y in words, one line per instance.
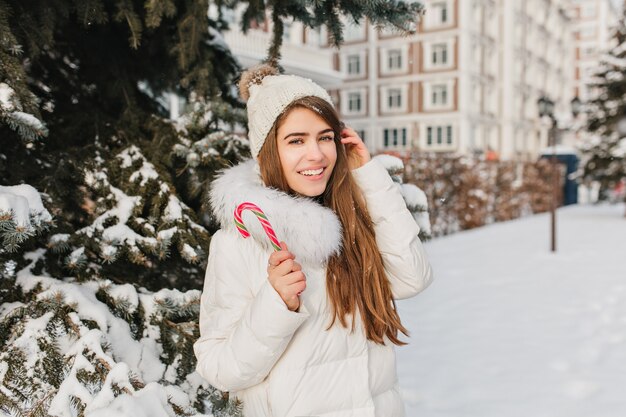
column 414, row 197
column 100, row 349
column 120, row 228
column 22, row 215
column 27, row 126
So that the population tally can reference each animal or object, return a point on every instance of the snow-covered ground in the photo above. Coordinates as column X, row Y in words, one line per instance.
column 510, row 329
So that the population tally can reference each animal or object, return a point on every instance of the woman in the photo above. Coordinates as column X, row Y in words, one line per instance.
column 308, row 330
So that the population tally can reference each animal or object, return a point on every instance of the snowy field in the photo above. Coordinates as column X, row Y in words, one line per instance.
column 509, row 329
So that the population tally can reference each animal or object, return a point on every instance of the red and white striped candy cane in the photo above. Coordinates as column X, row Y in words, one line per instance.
column 269, row 231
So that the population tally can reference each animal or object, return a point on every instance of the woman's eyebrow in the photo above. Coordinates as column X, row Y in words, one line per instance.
column 306, row 134
column 296, row 134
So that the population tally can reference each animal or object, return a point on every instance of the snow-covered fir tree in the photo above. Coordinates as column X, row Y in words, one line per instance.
column 414, row 197
column 99, row 295
column 605, row 152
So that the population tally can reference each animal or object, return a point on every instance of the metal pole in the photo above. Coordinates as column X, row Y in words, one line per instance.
column 555, row 186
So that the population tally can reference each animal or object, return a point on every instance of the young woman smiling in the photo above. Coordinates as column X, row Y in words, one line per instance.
column 308, row 330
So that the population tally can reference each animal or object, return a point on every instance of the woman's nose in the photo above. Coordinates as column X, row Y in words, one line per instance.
column 314, row 152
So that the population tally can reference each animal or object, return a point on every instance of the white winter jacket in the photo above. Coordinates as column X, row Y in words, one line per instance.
column 287, row 364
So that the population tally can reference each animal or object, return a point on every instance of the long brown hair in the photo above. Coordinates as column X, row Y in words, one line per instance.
column 355, row 278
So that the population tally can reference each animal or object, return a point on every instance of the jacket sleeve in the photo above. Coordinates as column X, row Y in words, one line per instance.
column 406, row 264
column 242, row 332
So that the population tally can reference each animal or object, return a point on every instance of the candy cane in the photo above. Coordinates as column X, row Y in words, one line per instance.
column 262, row 219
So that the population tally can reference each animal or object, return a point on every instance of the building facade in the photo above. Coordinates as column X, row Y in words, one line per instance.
column 304, row 51
column 592, row 25
column 467, row 82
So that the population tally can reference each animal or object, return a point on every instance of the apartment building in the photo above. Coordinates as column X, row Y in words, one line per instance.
column 468, row 81
column 592, row 24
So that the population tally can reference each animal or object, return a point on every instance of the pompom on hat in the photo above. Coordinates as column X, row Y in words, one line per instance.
column 268, row 93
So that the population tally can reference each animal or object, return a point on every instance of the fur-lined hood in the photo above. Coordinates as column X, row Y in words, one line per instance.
column 312, row 232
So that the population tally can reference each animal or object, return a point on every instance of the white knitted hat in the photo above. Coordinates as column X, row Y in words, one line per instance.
column 268, row 94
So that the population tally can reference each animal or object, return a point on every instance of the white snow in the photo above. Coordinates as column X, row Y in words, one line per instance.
column 510, row 329
column 129, row 155
column 123, row 211
column 61, row 403
column 34, row 329
column 173, row 211
column 6, row 93
column 29, row 119
column 58, row 238
column 123, row 354
column 615, row 61
column 414, row 196
column 77, row 255
column 108, row 251
column 167, row 233
column 23, row 200
column 118, row 375
column 189, row 253
column 619, row 151
column 146, row 172
column 390, row 162
column 125, row 292
column 4, row 367
column 150, row 401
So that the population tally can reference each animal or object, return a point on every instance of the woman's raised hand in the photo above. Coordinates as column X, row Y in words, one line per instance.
column 356, row 151
column 286, row 276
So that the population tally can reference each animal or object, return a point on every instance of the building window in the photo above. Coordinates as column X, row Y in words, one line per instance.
column 439, row 135
column 395, row 137
column 440, row 95
column 314, row 36
column 353, row 32
column 354, row 102
column 361, row 133
column 441, row 11
column 394, row 98
column 354, row 64
column 588, row 51
column 588, row 11
column 440, row 54
column 587, row 33
column 394, row 59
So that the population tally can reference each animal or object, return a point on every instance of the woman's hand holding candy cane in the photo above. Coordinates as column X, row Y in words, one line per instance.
column 284, row 273
column 286, row 276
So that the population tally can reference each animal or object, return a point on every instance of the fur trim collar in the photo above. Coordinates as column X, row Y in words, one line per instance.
column 312, row 232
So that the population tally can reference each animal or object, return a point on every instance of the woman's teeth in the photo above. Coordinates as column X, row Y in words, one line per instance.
column 312, row 172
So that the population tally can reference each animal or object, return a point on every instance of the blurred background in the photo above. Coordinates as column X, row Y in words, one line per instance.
column 503, row 123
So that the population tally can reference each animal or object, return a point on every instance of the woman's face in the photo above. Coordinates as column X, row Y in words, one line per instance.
column 307, row 151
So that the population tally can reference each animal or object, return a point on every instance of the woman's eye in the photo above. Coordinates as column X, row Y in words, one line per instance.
column 295, row 141
column 327, row 138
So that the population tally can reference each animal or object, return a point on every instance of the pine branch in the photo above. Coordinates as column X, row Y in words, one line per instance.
column 156, row 10
column 273, row 53
column 126, row 13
